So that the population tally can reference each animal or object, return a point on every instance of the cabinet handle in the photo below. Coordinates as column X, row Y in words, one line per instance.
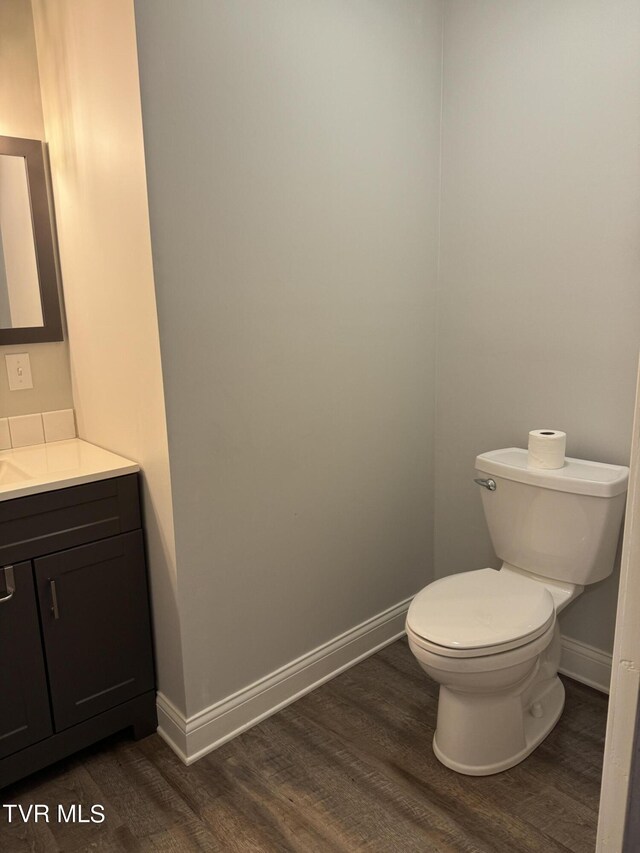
column 10, row 584
column 54, row 599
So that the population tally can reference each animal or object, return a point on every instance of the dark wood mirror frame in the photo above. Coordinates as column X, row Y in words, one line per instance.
column 51, row 330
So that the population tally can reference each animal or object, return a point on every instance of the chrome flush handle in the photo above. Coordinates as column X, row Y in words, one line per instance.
column 487, row 484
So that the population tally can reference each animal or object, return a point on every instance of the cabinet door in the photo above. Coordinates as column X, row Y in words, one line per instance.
column 96, row 628
column 24, row 702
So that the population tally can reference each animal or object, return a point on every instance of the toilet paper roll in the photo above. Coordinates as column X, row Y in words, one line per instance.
column 546, row 448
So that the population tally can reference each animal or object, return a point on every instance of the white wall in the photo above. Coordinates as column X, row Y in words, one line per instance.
column 21, row 115
column 292, row 154
column 88, row 68
column 539, row 300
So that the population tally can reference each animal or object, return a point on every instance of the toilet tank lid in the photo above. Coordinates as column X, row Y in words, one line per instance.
column 578, row 476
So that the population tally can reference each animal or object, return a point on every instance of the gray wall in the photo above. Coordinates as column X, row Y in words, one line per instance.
column 292, row 158
column 539, row 300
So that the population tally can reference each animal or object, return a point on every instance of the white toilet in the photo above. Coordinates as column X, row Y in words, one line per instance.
column 491, row 638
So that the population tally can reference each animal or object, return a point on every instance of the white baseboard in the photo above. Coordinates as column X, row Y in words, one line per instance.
column 193, row 737
column 586, row 664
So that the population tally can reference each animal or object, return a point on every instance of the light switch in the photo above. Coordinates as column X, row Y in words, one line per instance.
column 19, row 371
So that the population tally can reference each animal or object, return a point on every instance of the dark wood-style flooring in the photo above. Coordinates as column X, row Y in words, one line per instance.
column 347, row 768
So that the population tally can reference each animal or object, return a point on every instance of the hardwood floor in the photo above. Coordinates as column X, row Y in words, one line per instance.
column 347, row 768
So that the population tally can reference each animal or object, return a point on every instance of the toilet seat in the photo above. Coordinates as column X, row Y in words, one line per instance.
column 483, row 612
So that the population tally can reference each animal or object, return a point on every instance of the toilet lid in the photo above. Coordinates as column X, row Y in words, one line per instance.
column 480, row 609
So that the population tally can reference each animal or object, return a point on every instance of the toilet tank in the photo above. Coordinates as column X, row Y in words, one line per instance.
column 562, row 524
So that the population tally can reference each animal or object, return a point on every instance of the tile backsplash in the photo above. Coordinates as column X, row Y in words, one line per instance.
column 25, row 430
column 59, row 425
column 5, row 435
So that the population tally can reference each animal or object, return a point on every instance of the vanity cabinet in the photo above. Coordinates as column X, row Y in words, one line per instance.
column 76, row 661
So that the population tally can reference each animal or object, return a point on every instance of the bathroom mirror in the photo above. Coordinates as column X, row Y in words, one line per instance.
column 29, row 300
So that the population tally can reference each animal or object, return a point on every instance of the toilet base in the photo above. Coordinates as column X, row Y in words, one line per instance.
column 510, row 727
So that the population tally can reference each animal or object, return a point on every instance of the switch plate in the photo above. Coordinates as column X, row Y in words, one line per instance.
column 19, row 371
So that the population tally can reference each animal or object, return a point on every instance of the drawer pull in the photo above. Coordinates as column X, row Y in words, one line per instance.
column 54, row 600
column 10, row 584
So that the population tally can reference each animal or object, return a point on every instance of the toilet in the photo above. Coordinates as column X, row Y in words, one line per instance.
column 489, row 637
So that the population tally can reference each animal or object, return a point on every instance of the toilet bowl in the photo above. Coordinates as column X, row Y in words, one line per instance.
column 490, row 638
column 500, row 694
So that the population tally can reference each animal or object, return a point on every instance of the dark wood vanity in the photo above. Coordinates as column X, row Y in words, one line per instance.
column 76, row 659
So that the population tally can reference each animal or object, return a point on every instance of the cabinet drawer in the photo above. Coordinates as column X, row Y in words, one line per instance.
column 41, row 524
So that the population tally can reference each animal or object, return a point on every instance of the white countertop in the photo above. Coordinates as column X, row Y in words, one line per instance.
column 45, row 467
